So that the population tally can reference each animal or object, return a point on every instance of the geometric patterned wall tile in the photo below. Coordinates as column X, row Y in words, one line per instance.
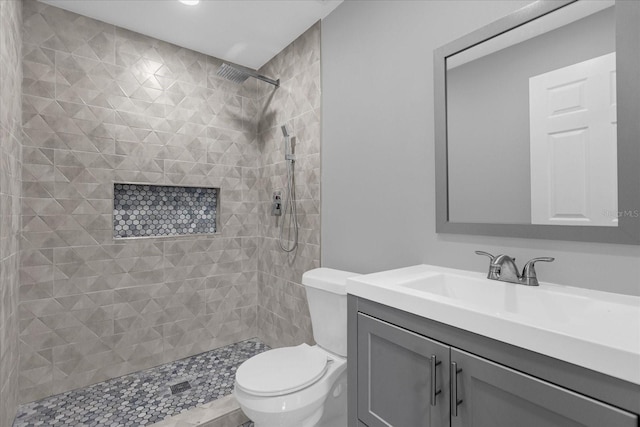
column 104, row 105
column 283, row 315
column 10, row 195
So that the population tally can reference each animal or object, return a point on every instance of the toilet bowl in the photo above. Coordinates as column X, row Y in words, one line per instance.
column 278, row 390
column 303, row 386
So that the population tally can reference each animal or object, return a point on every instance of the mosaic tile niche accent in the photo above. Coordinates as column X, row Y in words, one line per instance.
column 157, row 210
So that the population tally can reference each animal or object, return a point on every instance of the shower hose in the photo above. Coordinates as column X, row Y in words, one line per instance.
column 289, row 206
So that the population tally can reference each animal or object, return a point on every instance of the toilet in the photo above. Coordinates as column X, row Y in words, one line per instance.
column 303, row 386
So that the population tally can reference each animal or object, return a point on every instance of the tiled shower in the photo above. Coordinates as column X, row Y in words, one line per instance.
column 102, row 106
column 10, row 190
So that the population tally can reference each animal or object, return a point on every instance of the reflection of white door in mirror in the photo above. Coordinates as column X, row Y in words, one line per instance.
column 573, row 144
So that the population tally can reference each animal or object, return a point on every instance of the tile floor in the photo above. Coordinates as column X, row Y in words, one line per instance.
column 144, row 397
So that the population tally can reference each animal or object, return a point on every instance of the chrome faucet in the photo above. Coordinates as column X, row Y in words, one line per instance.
column 504, row 269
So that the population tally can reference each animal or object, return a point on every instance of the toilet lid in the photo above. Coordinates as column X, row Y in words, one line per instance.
column 282, row 370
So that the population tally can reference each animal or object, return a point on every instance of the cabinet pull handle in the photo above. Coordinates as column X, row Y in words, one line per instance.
column 434, row 390
column 454, row 389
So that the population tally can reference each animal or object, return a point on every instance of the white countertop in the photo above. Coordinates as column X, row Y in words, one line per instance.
column 593, row 329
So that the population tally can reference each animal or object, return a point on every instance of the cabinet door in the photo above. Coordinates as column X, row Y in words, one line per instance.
column 493, row 395
column 403, row 377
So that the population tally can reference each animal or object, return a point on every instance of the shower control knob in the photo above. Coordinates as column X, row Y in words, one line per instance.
column 276, row 204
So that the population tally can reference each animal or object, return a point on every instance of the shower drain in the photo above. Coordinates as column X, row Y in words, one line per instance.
column 180, row 387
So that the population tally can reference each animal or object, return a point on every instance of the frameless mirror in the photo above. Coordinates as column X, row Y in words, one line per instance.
column 534, row 136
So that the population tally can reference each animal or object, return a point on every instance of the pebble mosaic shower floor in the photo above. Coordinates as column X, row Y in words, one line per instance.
column 144, row 397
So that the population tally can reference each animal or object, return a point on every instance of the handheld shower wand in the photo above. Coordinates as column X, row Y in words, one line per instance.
column 288, row 144
column 290, row 201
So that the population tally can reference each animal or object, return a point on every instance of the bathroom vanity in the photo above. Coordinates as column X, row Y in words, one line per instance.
column 431, row 346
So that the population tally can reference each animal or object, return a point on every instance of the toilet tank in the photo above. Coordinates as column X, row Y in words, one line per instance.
column 327, row 296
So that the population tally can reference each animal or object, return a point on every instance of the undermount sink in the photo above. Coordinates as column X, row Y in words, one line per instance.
column 546, row 303
column 593, row 329
column 468, row 290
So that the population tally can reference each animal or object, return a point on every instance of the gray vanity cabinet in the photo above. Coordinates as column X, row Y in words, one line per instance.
column 406, row 371
column 403, row 377
column 493, row 395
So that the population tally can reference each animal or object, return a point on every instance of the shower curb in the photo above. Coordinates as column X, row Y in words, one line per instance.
column 223, row 412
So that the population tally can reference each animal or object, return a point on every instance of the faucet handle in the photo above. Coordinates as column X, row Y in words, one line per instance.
column 494, row 270
column 491, row 257
column 529, row 272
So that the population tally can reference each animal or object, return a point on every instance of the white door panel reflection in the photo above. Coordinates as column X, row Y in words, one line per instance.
column 573, row 144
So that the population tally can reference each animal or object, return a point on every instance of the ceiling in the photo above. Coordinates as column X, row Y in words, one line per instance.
column 246, row 32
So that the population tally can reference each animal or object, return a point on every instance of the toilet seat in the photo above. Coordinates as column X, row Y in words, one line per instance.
column 282, row 370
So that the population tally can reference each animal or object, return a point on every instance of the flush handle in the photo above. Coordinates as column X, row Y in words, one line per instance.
column 434, row 390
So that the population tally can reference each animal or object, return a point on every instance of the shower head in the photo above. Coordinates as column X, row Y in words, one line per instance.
column 285, row 131
column 238, row 74
column 233, row 74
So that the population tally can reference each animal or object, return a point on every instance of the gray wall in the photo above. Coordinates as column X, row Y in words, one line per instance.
column 378, row 191
column 10, row 192
column 488, row 117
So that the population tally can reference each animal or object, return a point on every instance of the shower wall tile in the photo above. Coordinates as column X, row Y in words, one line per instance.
column 283, row 313
column 57, row 29
column 11, row 73
column 105, row 105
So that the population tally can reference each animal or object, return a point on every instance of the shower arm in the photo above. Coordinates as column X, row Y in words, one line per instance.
column 276, row 83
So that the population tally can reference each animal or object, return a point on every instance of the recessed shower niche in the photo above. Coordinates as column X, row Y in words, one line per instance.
column 141, row 210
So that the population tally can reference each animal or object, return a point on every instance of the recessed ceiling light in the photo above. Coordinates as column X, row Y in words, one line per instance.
column 190, row 2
